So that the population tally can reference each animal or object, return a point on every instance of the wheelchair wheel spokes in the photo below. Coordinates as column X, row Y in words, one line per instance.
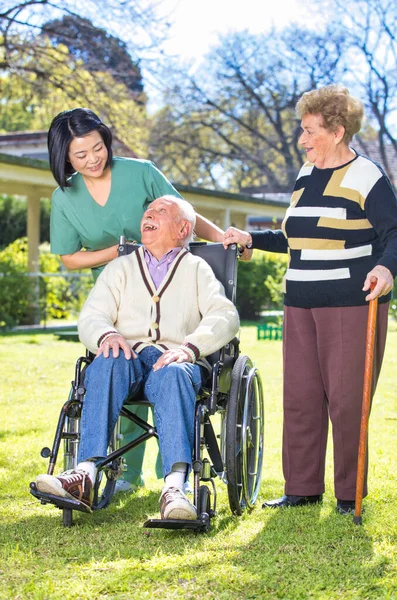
column 252, row 437
column 234, row 437
column 244, row 436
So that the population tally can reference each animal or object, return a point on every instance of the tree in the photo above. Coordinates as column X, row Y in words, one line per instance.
column 370, row 28
column 42, row 75
column 17, row 96
column 96, row 48
column 40, row 60
column 68, row 84
column 236, row 114
column 232, row 123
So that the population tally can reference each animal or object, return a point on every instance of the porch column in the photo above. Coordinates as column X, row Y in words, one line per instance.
column 226, row 219
column 33, row 234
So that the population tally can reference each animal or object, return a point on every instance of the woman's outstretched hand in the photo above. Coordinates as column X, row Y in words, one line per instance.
column 236, row 236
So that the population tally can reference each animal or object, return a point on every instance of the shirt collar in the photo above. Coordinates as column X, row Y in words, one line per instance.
column 167, row 257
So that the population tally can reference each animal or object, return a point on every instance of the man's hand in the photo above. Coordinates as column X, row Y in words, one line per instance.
column 178, row 355
column 115, row 342
column 383, row 279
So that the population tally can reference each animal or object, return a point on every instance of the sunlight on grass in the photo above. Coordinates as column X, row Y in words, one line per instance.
column 309, row 552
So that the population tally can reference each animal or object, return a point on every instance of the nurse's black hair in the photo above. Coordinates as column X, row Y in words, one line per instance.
column 70, row 124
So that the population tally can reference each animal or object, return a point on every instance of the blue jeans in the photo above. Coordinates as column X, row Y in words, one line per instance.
column 171, row 390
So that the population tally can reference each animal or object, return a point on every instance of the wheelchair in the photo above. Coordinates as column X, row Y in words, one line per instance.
column 232, row 451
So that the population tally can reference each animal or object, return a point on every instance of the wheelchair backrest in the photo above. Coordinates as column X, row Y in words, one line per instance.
column 222, row 262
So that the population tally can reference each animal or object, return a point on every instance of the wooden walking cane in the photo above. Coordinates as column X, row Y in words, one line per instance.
column 366, row 405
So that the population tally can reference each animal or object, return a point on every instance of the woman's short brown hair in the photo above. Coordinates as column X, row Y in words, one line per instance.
column 336, row 106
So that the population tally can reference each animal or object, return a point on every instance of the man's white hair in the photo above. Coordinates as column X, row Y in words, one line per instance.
column 186, row 211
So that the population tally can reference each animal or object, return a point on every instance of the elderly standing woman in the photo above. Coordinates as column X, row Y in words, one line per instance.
column 340, row 232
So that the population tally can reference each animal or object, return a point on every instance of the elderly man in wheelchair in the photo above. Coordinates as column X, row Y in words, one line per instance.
column 152, row 318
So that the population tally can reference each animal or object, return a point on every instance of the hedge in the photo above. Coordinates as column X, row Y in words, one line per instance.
column 13, row 219
column 21, row 296
column 259, row 284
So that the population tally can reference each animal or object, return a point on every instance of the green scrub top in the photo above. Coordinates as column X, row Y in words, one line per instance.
column 77, row 221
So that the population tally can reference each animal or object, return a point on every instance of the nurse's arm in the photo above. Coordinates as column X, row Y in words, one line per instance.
column 207, row 230
column 89, row 259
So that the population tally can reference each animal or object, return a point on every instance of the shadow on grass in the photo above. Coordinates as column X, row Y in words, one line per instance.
column 309, row 552
column 293, row 553
column 306, row 553
column 121, row 523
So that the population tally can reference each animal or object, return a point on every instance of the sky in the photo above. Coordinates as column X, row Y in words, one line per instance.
column 197, row 23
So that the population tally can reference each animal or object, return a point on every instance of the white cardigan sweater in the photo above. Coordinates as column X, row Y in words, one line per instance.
column 188, row 309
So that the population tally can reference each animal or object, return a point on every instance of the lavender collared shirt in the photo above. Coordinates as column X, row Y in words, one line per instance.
column 158, row 268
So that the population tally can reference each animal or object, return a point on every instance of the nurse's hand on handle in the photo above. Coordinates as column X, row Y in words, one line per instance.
column 383, row 279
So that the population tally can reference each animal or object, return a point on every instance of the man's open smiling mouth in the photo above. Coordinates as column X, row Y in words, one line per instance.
column 149, row 227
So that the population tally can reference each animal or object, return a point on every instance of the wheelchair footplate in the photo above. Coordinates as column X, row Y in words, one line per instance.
column 58, row 501
column 200, row 524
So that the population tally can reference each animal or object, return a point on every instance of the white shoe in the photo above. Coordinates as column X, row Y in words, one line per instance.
column 49, row 484
column 124, row 486
column 175, row 505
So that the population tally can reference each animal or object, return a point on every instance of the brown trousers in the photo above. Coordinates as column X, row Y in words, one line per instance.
column 324, row 355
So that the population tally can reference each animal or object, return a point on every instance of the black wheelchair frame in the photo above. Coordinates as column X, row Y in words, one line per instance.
column 234, row 391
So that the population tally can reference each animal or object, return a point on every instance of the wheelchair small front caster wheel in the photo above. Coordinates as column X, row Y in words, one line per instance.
column 67, row 515
column 45, row 452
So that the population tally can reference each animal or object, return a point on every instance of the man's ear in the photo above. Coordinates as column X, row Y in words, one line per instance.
column 185, row 229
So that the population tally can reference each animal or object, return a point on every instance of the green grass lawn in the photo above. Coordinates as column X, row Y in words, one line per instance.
column 309, row 552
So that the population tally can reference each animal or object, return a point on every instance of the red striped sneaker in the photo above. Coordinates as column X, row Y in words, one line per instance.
column 75, row 485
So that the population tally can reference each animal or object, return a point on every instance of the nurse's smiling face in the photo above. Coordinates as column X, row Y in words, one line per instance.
column 88, row 154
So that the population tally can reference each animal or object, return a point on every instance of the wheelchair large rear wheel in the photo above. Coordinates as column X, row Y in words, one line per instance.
column 244, row 436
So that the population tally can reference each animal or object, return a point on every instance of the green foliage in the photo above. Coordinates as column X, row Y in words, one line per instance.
column 16, row 94
column 96, row 48
column 22, row 296
column 259, row 284
column 13, row 218
column 32, row 104
column 16, row 293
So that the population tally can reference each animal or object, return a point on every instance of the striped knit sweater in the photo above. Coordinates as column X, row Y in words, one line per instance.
column 340, row 224
column 188, row 309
